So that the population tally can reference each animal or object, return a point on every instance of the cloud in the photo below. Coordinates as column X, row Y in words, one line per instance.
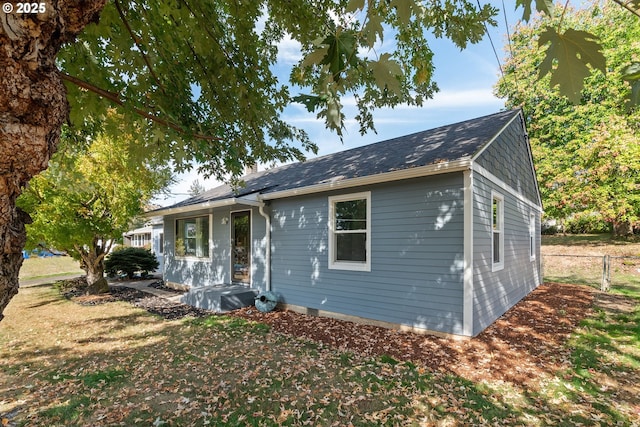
column 289, row 51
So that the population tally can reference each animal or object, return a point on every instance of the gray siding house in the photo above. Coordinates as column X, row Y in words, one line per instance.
column 436, row 231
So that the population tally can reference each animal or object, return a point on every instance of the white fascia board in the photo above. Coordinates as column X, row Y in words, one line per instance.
column 194, row 207
column 249, row 200
column 420, row 171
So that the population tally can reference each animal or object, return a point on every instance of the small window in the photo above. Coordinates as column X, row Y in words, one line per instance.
column 532, row 236
column 350, row 232
column 192, row 237
column 161, row 243
column 497, row 231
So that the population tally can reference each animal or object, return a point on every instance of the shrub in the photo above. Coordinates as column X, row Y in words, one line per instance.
column 129, row 260
column 586, row 223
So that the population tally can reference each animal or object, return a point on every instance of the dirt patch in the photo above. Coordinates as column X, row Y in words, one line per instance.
column 526, row 342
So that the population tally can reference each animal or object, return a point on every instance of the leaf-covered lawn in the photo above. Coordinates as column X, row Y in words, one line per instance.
column 62, row 363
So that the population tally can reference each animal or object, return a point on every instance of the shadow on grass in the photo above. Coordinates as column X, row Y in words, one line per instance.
column 222, row 370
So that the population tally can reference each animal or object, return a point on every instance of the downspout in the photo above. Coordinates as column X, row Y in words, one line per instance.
column 267, row 262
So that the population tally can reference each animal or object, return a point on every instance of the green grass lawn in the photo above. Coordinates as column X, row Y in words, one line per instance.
column 62, row 363
column 33, row 268
column 581, row 259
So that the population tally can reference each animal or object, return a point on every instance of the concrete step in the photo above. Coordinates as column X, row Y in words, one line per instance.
column 220, row 299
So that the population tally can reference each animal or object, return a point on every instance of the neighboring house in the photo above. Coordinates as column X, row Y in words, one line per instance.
column 138, row 238
column 151, row 237
column 435, row 231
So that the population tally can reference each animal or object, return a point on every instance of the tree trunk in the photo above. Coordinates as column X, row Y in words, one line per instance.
column 96, row 281
column 33, row 108
column 622, row 229
column 93, row 265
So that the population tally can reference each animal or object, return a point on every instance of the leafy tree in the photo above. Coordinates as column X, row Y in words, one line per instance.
column 571, row 54
column 587, row 155
column 129, row 260
column 196, row 188
column 87, row 198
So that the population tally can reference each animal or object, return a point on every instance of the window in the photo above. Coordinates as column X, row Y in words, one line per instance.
column 532, row 236
column 497, row 231
column 192, row 237
column 161, row 243
column 350, row 232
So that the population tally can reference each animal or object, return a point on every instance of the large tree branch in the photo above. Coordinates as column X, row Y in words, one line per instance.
column 115, row 98
column 140, row 47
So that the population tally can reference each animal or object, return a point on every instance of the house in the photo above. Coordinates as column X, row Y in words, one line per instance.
column 150, row 236
column 437, row 231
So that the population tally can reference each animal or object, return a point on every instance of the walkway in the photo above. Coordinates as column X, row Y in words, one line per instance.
column 140, row 285
column 143, row 285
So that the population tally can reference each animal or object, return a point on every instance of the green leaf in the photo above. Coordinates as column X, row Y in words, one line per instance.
column 631, row 72
column 572, row 51
column 310, row 101
column 385, row 72
column 354, row 5
column 317, row 56
column 634, row 96
column 403, row 7
column 373, row 29
column 545, row 6
column 341, row 51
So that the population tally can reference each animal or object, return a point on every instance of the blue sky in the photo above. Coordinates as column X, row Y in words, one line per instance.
column 465, row 78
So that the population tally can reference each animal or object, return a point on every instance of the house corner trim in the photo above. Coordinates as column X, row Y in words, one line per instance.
column 467, row 310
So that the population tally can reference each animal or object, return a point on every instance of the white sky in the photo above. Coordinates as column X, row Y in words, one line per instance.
column 465, row 79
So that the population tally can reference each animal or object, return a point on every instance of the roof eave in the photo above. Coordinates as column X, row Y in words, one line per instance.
column 416, row 172
column 249, row 200
column 420, row 171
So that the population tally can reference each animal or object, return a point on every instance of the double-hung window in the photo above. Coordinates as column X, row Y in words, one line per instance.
column 497, row 231
column 350, row 232
column 192, row 237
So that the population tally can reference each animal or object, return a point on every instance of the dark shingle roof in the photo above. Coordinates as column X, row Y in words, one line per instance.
column 443, row 144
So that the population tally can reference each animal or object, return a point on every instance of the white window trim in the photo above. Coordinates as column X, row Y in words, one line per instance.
column 497, row 266
column 210, row 239
column 349, row 265
column 532, row 236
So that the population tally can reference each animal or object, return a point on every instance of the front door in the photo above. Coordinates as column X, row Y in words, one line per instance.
column 241, row 247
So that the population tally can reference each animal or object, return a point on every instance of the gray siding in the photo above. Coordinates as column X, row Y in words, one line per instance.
column 496, row 292
column 193, row 272
column 156, row 230
column 417, row 255
column 508, row 158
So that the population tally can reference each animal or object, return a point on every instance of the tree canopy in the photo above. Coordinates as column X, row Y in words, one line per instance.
column 587, row 154
column 196, row 77
column 89, row 196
